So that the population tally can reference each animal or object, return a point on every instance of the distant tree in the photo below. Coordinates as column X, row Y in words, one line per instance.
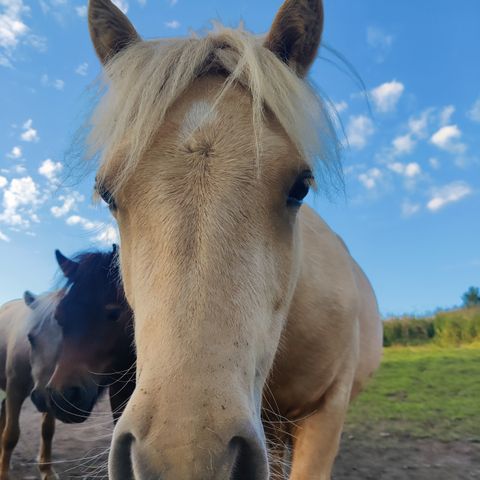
column 471, row 297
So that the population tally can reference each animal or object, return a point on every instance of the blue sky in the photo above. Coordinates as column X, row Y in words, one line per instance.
column 410, row 214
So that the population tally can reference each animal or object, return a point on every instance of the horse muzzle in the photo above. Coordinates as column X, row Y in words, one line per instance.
column 73, row 404
column 242, row 458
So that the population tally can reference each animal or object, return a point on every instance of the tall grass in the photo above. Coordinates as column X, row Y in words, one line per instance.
column 450, row 328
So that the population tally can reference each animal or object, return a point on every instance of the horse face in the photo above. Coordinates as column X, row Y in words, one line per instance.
column 45, row 339
column 210, row 250
column 94, row 321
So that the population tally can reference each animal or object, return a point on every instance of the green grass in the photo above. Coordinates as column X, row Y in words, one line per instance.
column 425, row 392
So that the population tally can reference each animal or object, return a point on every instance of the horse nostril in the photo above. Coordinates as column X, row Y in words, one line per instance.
column 73, row 395
column 120, row 461
column 249, row 460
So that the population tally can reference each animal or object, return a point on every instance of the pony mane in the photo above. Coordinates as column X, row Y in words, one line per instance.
column 142, row 82
column 92, row 264
column 44, row 309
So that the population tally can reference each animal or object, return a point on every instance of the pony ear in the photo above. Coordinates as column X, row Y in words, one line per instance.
column 110, row 29
column 29, row 299
column 68, row 267
column 296, row 33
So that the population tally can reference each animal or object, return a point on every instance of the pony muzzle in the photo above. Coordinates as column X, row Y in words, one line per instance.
column 72, row 404
column 243, row 457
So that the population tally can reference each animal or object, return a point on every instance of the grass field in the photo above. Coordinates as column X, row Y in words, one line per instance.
column 422, row 392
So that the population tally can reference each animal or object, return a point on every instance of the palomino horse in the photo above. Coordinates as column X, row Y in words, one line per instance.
column 208, row 145
column 97, row 348
column 29, row 343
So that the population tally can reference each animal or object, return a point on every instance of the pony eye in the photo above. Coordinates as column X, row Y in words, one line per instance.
column 300, row 189
column 113, row 312
column 105, row 195
column 31, row 339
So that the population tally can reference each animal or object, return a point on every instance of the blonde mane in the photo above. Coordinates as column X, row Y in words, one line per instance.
column 143, row 81
column 44, row 309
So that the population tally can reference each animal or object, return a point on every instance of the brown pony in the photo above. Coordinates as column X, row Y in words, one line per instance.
column 208, row 146
column 29, row 342
column 96, row 352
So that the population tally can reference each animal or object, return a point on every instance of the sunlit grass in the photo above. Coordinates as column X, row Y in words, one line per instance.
column 425, row 391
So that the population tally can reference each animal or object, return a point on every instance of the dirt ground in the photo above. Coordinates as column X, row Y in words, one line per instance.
column 80, row 452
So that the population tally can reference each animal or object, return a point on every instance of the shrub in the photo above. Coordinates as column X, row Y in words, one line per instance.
column 450, row 328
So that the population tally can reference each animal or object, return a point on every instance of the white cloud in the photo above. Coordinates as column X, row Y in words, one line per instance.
column 409, row 208
column 386, row 96
column 447, row 138
column 83, row 222
column 434, row 163
column 16, row 152
column 403, row 144
column 57, row 83
column 418, row 125
column 4, row 237
column 105, row 234
column 69, row 203
column 37, row 42
column 380, row 41
column 474, row 112
column 29, row 133
column 359, row 129
column 446, row 115
column 174, row 24
column 82, row 69
column 82, row 11
column 12, row 28
column 408, row 170
column 3, row 182
column 370, row 178
column 340, row 106
column 450, row 193
column 20, row 198
column 19, row 169
column 122, row 5
column 50, row 170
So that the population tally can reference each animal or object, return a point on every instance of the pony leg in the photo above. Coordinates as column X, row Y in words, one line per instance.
column 45, row 463
column 3, row 414
column 317, row 437
column 11, row 431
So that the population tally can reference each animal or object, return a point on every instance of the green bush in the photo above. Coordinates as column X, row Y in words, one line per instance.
column 407, row 331
column 455, row 327
column 459, row 327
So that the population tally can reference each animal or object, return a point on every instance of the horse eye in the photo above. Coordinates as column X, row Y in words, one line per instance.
column 31, row 339
column 113, row 313
column 300, row 189
column 106, row 196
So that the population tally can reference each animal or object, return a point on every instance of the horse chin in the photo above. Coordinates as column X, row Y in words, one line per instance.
column 75, row 414
column 73, row 410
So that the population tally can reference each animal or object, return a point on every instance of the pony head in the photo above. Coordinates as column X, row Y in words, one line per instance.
column 208, row 146
column 94, row 318
column 45, row 338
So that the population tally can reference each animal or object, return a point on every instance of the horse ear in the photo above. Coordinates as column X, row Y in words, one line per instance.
column 110, row 29
column 68, row 267
column 296, row 33
column 29, row 299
